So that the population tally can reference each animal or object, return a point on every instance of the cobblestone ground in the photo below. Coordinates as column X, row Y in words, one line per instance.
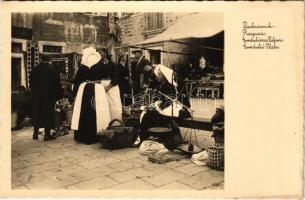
column 65, row 164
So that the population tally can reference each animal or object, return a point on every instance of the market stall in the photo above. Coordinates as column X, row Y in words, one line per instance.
column 194, row 48
column 183, row 44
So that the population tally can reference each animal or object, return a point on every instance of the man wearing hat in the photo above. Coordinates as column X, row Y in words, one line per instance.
column 138, row 71
column 46, row 90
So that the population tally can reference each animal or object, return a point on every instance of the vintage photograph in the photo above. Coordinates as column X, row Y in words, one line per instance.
column 117, row 101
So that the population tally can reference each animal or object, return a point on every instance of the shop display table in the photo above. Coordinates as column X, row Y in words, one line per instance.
column 204, row 90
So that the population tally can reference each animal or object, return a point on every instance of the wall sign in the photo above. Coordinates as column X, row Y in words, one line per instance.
column 21, row 33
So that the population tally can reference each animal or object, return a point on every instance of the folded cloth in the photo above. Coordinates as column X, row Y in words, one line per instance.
column 200, row 158
column 151, row 147
column 203, row 155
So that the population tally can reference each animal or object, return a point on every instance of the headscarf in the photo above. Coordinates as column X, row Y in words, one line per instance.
column 167, row 72
column 90, row 57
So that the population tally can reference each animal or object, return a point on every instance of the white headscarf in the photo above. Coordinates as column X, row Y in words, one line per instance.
column 90, row 57
column 167, row 72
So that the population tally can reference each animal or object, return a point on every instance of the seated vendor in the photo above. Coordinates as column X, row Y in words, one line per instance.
column 216, row 150
column 160, row 112
column 205, row 67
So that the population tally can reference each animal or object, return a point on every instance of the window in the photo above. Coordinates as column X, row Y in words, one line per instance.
column 155, row 57
column 154, row 21
column 88, row 35
column 16, row 47
column 51, row 49
column 21, row 33
column 123, row 14
column 16, row 73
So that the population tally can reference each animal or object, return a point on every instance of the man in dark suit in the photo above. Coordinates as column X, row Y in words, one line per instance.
column 46, row 90
column 138, row 71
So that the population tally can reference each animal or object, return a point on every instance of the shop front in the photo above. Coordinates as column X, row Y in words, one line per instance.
column 21, row 37
column 196, row 54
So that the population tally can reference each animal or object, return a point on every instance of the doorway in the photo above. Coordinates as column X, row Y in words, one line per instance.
column 155, row 57
column 16, row 73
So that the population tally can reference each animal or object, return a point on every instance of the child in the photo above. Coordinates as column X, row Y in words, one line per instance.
column 63, row 113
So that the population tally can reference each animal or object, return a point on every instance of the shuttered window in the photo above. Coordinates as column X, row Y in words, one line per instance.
column 154, row 21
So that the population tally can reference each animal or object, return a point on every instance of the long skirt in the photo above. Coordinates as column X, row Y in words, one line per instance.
column 94, row 108
column 150, row 119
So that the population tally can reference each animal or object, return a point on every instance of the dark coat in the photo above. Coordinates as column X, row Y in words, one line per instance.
column 124, row 85
column 86, row 132
column 137, row 70
column 46, row 90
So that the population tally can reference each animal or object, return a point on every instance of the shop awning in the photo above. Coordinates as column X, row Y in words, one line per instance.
column 197, row 25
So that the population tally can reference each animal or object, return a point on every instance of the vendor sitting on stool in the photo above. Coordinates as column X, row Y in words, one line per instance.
column 159, row 113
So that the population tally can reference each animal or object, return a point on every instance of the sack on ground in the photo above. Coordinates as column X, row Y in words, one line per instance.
column 151, row 147
column 117, row 137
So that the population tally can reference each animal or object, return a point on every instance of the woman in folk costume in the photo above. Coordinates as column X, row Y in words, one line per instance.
column 97, row 95
column 160, row 113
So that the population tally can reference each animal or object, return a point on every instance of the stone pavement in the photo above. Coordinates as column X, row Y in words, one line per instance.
column 65, row 164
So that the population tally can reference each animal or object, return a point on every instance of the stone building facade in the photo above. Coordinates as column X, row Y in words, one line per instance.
column 63, row 32
column 53, row 34
column 69, row 33
column 137, row 27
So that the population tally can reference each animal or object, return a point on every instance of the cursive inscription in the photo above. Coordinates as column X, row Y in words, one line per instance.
column 260, row 36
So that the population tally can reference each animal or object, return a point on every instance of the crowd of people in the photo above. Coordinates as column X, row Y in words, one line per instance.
column 104, row 90
column 101, row 89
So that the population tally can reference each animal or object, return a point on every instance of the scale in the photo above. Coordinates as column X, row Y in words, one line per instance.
column 187, row 147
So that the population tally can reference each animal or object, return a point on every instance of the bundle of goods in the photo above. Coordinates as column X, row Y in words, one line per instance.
column 117, row 136
column 63, row 115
